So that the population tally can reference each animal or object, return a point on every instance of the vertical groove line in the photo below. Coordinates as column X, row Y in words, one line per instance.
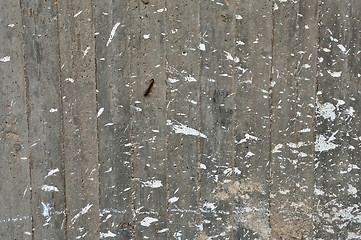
column 26, row 83
column 165, row 17
column 96, row 109
column 234, row 72
column 199, row 195
column 271, row 119
column 62, row 126
column 131, row 121
column 315, row 82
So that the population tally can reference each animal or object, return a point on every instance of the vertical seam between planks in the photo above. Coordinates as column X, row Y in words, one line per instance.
column 233, row 116
column 271, row 118
column 165, row 17
column 96, row 111
column 62, row 125
column 26, row 83
column 318, row 15
column 131, row 122
column 199, row 122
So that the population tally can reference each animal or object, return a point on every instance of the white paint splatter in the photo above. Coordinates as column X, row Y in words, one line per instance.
column 109, row 124
column 202, row 47
column 326, row 50
column 350, row 111
column 305, row 130
column 183, row 129
column 173, row 199
column 342, row 48
column 85, row 52
column 153, row 184
column 238, row 17
column 112, row 33
column 27, row 233
column 5, row 59
column 69, row 79
column 334, row 74
column 172, row 80
column 11, row 25
column 162, row 10
column 211, row 206
column 202, row 166
column 247, row 137
column 46, row 209
column 53, row 110
column 49, row 188
column 318, row 191
column 277, row 148
column 147, row 221
column 146, row 36
column 82, row 212
column 323, row 144
column 101, row 110
column 229, row 57
column 107, row 235
column 283, row 1
column 163, row 230
column 77, row 14
column 249, row 154
column 351, row 189
column 190, row 79
column 326, row 110
column 52, row 172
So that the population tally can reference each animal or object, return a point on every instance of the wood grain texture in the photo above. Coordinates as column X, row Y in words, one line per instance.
column 217, row 26
column 79, row 110
column 337, row 144
column 293, row 101
column 148, row 118
column 15, row 188
column 113, row 101
column 251, row 129
column 252, row 120
column 42, row 71
column 183, row 92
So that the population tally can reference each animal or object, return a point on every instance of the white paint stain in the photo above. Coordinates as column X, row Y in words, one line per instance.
column 202, row 47
column 5, row 59
column 318, row 191
column 109, row 124
column 334, row 74
column 48, row 188
column 323, row 144
column 52, row 172
column 342, row 48
column 101, row 110
column 173, row 199
column 305, row 130
column 69, row 80
column 11, row 25
column 202, row 166
column 112, row 33
column 190, row 79
column 82, row 212
column 247, row 137
column 238, row 17
column 183, row 129
column 147, row 221
column 77, row 14
column 85, row 52
column 209, row 205
column 351, row 189
column 53, row 110
column 108, row 234
column 153, row 184
column 146, row 36
column 277, row 148
column 229, row 57
column 163, row 230
column 326, row 110
column 172, row 80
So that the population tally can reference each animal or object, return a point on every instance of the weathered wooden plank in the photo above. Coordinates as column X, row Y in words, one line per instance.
column 337, row 162
column 111, row 25
column 252, row 120
column 216, row 113
column 77, row 54
column 15, row 196
column 148, row 122
column 182, row 112
column 293, row 99
column 44, row 114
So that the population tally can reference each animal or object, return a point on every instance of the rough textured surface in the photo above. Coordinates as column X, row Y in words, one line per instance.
column 250, row 131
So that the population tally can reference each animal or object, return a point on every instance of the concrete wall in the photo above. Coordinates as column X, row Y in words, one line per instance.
column 250, row 131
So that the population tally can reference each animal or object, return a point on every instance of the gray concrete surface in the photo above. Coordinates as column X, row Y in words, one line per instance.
column 251, row 130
